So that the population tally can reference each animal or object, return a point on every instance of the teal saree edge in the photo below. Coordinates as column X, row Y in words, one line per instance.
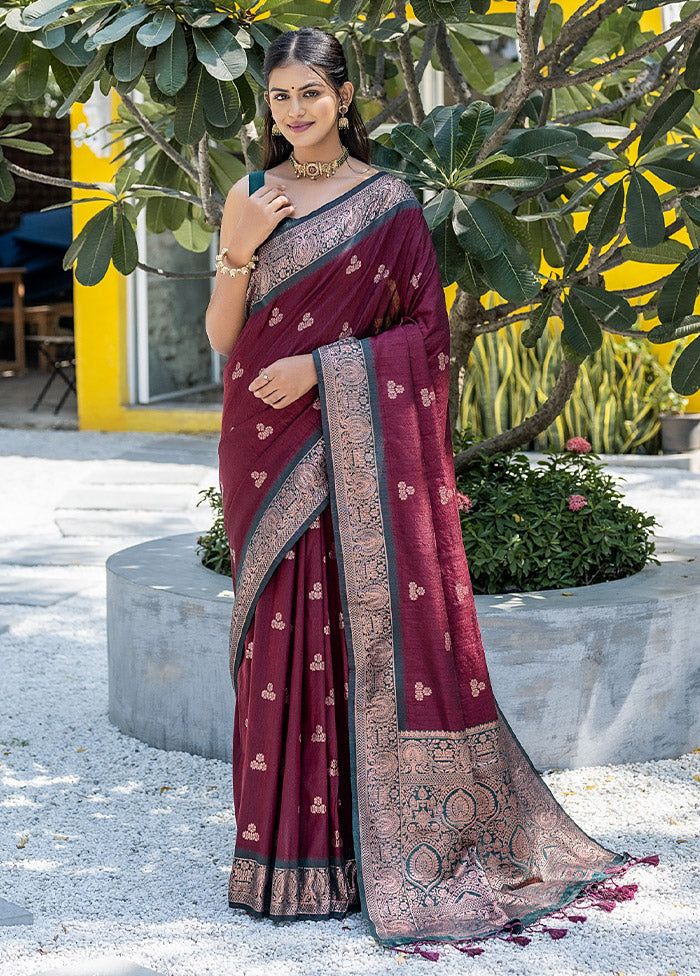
column 348, row 636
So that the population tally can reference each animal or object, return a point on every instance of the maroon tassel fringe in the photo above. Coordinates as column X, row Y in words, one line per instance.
column 599, row 894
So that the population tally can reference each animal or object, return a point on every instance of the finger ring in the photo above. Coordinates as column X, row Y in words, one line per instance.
column 266, row 376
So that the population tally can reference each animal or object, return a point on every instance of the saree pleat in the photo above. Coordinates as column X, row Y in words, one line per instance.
column 373, row 769
column 291, row 764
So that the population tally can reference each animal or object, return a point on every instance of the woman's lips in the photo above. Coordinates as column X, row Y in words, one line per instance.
column 300, row 127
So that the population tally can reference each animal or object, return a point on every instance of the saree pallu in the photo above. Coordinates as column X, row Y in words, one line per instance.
column 373, row 768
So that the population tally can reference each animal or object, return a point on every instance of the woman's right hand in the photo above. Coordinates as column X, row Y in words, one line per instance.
column 259, row 215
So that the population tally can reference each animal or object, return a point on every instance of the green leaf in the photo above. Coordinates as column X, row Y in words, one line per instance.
column 614, row 311
column 128, row 58
column 550, row 141
column 189, row 108
column 95, row 254
column 7, row 183
column 670, row 331
column 511, row 275
column 221, row 102
column 442, row 126
column 45, row 11
column 32, row 74
column 474, row 123
column 538, row 323
column 439, row 208
column 692, row 208
column 668, row 252
column 519, row 174
column 676, row 298
column 433, row 11
column 125, row 252
column 471, row 280
column 691, row 77
column 580, row 328
column 606, row 214
column 666, row 117
column 84, row 81
column 414, row 145
column 38, row 148
column 681, row 174
column 685, row 376
column 450, row 256
column 644, row 218
column 576, row 251
column 475, row 66
column 477, row 227
column 158, row 29
column 119, row 27
column 11, row 47
column 171, row 62
column 220, row 53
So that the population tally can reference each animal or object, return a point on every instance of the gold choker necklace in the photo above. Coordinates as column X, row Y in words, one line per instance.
column 316, row 169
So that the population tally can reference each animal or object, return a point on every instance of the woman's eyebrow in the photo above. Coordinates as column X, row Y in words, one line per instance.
column 311, row 84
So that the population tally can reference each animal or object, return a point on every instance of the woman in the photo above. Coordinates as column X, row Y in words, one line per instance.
column 372, row 768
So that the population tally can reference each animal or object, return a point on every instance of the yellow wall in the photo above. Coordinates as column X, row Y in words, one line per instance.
column 100, row 329
column 100, row 312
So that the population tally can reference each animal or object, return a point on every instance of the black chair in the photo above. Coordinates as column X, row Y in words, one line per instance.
column 51, row 348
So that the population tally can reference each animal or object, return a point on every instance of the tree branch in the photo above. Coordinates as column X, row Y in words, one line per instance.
column 453, row 73
column 174, row 274
column 107, row 188
column 212, row 212
column 160, row 141
column 409, row 74
column 388, row 112
column 646, row 82
column 527, row 51
column 531, row 426
column 600, row 70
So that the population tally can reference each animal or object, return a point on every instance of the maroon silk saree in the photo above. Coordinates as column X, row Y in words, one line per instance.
column 372, row 767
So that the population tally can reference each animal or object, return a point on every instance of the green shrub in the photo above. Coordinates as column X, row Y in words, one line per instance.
column 521, row 534
column 213, row 545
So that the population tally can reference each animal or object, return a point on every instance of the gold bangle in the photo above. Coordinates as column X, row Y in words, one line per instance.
column 224, row 269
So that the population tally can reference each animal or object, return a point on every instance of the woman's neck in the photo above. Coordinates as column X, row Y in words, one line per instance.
column 321, row 152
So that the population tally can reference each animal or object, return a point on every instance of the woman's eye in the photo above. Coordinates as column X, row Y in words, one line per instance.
column 312, row 91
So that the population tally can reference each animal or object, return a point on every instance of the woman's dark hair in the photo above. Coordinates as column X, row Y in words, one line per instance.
column 323, row 53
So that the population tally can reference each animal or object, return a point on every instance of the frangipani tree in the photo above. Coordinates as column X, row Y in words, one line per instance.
column 591, row 116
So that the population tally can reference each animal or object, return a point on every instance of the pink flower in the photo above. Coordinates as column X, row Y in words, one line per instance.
column 579, row 445
column 577, row 502
column 464, row 502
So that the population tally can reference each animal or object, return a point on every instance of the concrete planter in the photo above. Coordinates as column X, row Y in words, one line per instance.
column 600, row 674
column 680, row 432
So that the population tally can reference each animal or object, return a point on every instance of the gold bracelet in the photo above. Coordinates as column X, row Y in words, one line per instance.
column 224, row 269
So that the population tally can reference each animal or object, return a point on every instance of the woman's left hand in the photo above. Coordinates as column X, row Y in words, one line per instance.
column 288, row 379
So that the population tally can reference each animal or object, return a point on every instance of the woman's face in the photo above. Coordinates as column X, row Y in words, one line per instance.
column 303, row 104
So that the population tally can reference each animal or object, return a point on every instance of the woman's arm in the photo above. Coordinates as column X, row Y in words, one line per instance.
column 246, row 223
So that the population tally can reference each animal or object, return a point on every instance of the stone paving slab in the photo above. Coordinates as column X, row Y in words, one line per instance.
column 27, row 590
column 143, row 498
column 177, row 450
column 151, row 473
column 111, row 966
column 11, row 914
column 124, row 524
column 56, row 552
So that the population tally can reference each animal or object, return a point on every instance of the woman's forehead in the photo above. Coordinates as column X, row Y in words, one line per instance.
column 293, row 76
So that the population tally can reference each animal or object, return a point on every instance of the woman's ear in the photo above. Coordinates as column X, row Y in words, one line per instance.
column 266, row 96
column 347, row 90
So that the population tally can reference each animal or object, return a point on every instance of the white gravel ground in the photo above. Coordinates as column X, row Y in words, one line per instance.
column 121, row 849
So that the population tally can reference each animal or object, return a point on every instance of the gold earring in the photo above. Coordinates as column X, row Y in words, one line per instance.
column 276, row 131
column 342, row 121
